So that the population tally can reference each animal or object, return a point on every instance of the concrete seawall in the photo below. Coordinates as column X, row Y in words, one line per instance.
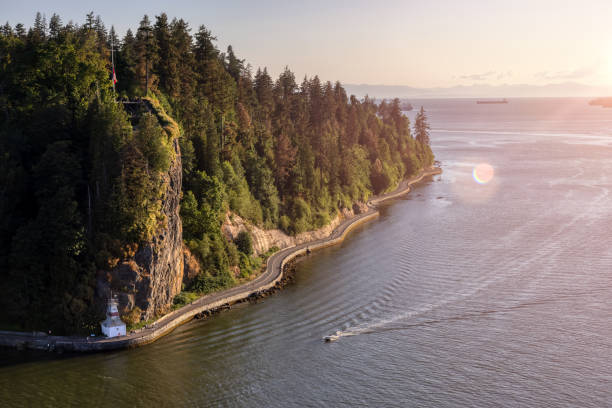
column 164, row 325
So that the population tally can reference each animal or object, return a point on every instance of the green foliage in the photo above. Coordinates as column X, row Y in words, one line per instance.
column 132, row 318
column 82, row 186
column 380, row 177
column 153, row 143
column 240, row 198
column 139, row 324
column 270, row 252
column 184, row 298
column 135, row 199
column 301, row 216
column 261, row 183
column 137, row 192
column 52, row 89
column 244, row 243
column 206, row 283
column 201, row 208
column 421, row 131
column 285, row 223
column 249, row 265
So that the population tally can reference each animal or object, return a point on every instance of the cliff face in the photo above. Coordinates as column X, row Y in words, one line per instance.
column 266, row 239
column 151, row 278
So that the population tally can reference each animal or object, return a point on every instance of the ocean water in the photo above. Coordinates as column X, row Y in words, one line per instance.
column 461, row 294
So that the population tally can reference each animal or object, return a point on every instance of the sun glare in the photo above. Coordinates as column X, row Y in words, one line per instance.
column 483, row 173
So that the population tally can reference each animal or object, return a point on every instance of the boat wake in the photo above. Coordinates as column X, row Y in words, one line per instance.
column 493, row 280
column 374, row 327
column 394, row 323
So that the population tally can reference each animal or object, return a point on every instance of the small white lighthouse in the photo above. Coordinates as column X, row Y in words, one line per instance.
column 113, row 326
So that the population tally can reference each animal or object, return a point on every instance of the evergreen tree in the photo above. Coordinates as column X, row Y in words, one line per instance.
column 100, row 30
column 284, row 158
column 40, row 27
column 112, row 38
column 55, row 26
column 234, row 65
column 7, row 30
column 182, row 84
column 126, row 65
column 20, row 30
column 146, row 54
column 90, row 21
column 204, row 48
column 421, row 127
column 165, row 67
column 263, row 90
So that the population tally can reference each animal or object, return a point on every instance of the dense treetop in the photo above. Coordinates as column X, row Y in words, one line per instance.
column 80, row 179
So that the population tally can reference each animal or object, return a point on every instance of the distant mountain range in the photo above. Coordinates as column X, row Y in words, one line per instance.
column 565, row 89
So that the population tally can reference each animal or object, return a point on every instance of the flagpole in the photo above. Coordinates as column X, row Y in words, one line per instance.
column 113, row 60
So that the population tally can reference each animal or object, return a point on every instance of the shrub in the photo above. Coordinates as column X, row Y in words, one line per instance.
column 244, row 242
column 284, row 223
column 321, row 218
column 205, row 283
column 249, row 264
column 233, row 256
column 183, row 299
column 153, row 143
column 132, row 317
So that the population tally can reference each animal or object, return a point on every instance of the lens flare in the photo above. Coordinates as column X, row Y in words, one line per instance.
column 483, row 173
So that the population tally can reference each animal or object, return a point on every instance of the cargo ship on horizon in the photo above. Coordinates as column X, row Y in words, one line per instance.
column 492, row 101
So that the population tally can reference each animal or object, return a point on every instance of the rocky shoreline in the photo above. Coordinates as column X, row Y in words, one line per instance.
column 287, row 278
column 276, row 275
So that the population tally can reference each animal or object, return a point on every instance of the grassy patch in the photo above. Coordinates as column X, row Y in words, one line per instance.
column 184, row 298
column 139, row 325
column 171, row 128
column 252, row 265
column 205, row 283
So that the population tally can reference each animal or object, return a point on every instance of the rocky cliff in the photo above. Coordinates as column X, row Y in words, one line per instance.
column 266, row 239
column 147, row 282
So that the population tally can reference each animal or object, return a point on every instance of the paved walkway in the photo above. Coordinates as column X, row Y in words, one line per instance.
column 167, row 323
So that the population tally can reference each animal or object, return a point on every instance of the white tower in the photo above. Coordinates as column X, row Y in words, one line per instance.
column 113, row 326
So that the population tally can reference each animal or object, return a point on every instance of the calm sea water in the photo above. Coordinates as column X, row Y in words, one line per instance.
column 460, row 294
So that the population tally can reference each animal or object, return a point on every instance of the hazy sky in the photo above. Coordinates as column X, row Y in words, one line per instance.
column 425, row 43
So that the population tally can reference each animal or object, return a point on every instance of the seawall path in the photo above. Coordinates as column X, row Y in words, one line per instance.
column 164, row 325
